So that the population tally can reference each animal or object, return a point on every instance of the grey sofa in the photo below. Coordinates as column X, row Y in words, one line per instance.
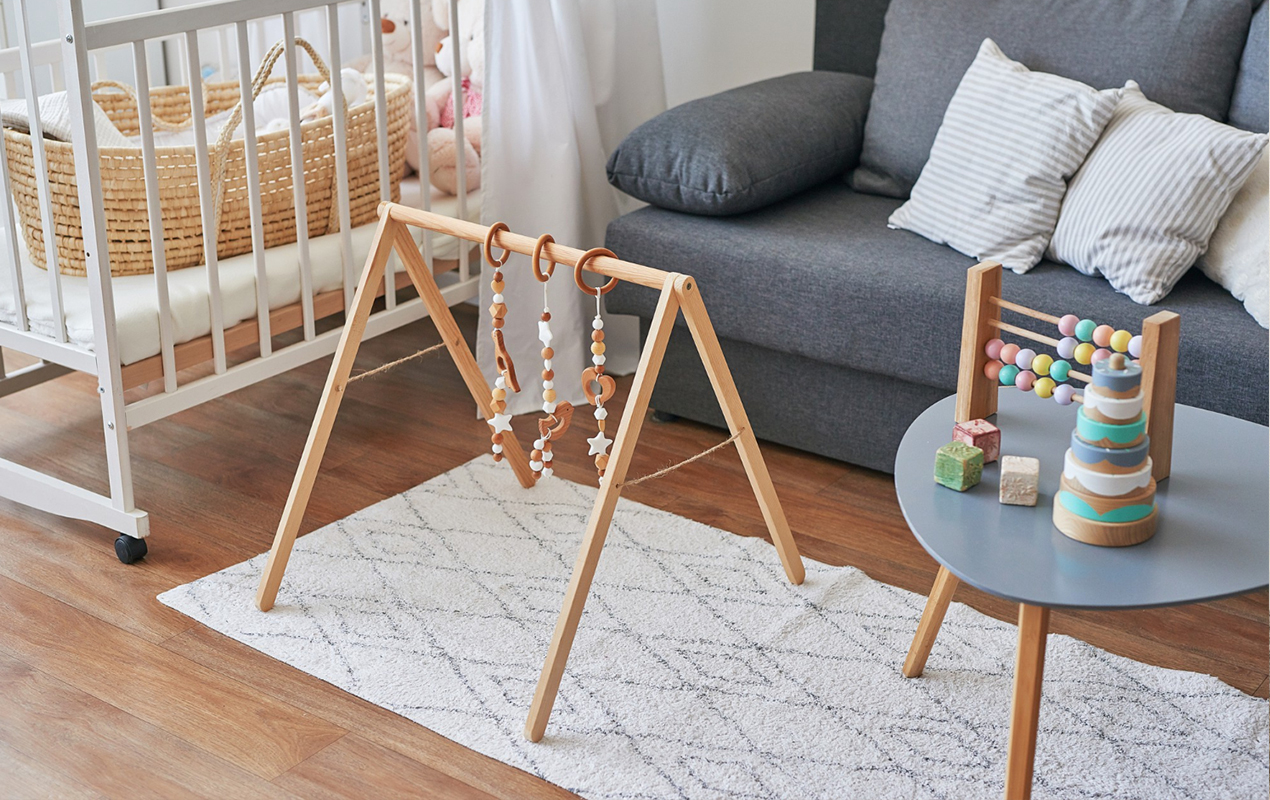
column 840, row 331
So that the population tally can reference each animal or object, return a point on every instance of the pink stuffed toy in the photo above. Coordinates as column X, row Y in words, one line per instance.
column 442, row 142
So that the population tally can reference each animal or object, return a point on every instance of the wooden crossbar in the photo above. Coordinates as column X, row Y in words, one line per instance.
column 1024, row 310
column 679, row 294
column 1024, row 332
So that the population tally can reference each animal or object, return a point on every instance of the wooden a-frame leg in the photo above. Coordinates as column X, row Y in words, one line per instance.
column 694, row 310
column 441, row 316
column 941, row 594
column 1029, row 669
column 602, row 513
column 328, row 407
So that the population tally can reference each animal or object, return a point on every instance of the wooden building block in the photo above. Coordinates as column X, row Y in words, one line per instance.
column 958, row 466
column 1020, row 480
column 981, row 434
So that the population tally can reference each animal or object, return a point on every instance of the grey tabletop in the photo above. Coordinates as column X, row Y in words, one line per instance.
column 1213, row 538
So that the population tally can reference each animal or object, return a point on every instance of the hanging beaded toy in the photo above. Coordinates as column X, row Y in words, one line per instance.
column 595, row 374
column 501, row 421
column 558, row 413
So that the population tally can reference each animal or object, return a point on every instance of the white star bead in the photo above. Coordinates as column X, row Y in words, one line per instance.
column 550, row 408
column 548, row 384
column 547, row 456
column 501, row 422
column 597, row 360
column 546, row 472
column 536, row 466
column 498, row 297
column 544, row 332
column 598, row 324
column 498, row 448
column 601, row 413
column 599, row 444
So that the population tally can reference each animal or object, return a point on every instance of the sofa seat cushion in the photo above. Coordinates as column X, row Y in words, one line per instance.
column 822, row 277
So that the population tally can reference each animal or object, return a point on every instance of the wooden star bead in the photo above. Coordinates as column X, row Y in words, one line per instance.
column 547, row 352
column 548, row 374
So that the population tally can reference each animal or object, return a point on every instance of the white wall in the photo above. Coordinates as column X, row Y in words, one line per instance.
column 711, row 45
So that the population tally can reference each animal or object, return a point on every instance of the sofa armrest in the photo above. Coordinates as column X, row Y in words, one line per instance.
column 748, row 147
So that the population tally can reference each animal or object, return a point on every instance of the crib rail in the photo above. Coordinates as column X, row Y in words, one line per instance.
column 221, row 41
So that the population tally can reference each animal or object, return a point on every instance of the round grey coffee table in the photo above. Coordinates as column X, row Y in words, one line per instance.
column 1211, row 541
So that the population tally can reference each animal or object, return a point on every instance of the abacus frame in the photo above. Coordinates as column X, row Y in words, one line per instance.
column 679, row 293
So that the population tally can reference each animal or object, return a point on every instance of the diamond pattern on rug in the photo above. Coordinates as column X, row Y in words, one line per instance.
column 698, row 670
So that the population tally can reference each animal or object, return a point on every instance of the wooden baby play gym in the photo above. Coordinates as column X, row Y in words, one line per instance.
column 679, row 293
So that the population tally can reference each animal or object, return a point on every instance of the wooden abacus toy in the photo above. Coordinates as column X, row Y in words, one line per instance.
column 679, row 293
column 1123, row 440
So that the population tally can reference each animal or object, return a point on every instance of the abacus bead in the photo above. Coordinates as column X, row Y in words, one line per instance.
column 993, row 348
column 1099, row 355
column 1023, row 360
column 1024, row 380
column 1135, row 346
column 1009, row 353
column 1120, row 341
column 1066, row 347
column 1102, row 335
column 1084, row 353
column 1067, row 324
column 547, row 352
column 1085, row 329
column 1044, row 387
column 1063, row 394
column 1059, row 370
column 597, row 348
column 549, row 395
column 1042, row 363
column 548, row 374
column 1007, row 374
column 992, row 369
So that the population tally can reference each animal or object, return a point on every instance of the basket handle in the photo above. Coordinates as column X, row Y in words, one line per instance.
column 127, row 91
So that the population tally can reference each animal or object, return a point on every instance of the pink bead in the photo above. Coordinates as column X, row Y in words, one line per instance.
column 1102, row 335
column 993, row 349
column 1063, row 394
column 1024, row 380
column 993, row 370
column 1067, row 347
column 1067, row 325
column 1099, row 355
column 1024, row 358
column 1009, row 352
column 1135, row 347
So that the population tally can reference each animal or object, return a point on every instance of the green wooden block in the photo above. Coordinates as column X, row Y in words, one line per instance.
column 958, row 466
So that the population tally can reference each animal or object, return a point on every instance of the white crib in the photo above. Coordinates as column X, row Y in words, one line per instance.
column 152, row 329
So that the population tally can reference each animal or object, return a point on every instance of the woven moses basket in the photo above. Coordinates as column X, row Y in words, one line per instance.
column 123, row 175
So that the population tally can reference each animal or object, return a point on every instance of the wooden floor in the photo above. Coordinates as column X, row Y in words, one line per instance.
column 108, row 693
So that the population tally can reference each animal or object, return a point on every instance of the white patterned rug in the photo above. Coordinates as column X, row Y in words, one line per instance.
column 699, row 671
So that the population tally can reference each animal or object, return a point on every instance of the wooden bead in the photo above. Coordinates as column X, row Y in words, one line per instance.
column 546, row 316
column 500, row 394
column 497, row 286
column 547, row 352
column 498, row 456
column 498, row 310
column 497, row 438
column 535, row 455
column 597, row 336
column 601, row 461
column 599, row 423
column 498, row 323
column 597, row 348
column 549, row 395
column 499, row 406
column 548, row 374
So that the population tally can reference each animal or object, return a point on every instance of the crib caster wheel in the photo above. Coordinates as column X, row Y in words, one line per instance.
column 129, row 549
column 664, row 416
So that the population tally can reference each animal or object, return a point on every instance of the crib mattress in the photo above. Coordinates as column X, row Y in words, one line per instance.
column 136, row 301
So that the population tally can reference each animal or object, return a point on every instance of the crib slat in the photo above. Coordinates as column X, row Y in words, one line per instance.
column 381, row 135
column 41, row 171
column 341, row 155
column 56, row 81
column 460, row 146
column 421, row 121
column 206, row 201
column 11, row 238
column 222, row 53
column 297, row 176
column 154, row 209
column 253, row 191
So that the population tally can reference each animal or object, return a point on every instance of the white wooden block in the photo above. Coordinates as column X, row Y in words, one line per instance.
column 1020, row 480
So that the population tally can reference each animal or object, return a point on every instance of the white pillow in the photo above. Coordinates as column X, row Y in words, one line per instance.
column 1146, row 201
column 1238, row 255
column 998, row 170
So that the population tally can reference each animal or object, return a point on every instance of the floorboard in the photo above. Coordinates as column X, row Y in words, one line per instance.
column 109, row 693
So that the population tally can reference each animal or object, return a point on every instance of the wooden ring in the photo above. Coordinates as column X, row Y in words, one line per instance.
column 551, row 265
column 489, row 245
column 577, row 272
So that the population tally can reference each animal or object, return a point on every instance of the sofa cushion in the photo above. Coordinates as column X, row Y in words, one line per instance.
column 821, row 276
column 748, row 147
column 1248, row 105
column 1184, row 53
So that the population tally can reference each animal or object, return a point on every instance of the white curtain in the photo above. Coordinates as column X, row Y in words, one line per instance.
column 565, row 81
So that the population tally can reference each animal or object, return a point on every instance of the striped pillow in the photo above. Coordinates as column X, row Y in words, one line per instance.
column 1147, row 200
column 999, row 167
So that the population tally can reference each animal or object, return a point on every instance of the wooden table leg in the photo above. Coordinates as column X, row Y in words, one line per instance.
column 941, row 595
column 1025, row 710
